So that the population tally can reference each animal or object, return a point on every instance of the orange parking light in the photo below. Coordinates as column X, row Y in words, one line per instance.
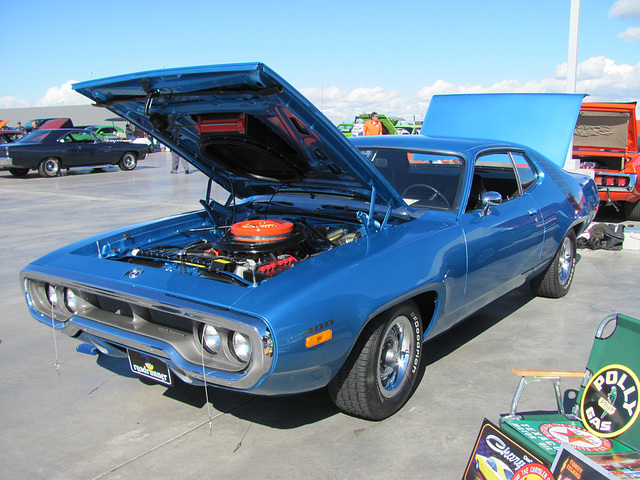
column 318, row 338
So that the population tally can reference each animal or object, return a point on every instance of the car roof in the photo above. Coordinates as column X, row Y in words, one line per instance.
column 467, row 147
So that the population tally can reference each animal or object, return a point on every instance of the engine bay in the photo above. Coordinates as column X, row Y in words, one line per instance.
column 244, row 253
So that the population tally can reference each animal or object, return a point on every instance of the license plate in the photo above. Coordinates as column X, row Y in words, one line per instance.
column 150, row 367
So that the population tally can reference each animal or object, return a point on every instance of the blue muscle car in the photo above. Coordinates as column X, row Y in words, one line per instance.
column 332, row 260
column 50, row 151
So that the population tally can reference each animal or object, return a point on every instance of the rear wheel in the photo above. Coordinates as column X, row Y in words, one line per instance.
column 632, row 211
column 19, row 172
column 378, row 377
column 49, row 167
column 555, row 281
column 128, row 161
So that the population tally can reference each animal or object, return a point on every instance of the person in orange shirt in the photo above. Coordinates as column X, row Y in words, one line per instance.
column 373, row 125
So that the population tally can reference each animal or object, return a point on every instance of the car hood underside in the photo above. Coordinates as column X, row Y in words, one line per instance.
column 245, row 127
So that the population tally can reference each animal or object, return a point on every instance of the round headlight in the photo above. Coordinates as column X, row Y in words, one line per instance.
column 211, row 338
column 241, row 347
column 52, row 295
column 70, row 300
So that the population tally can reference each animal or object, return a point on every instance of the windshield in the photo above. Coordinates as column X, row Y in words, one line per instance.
column 424, row 179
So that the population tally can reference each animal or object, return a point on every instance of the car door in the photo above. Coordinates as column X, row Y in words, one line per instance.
column 91, row 149
column 69, row 150
column 504, row 241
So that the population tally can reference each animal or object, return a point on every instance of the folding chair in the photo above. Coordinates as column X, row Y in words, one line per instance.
column 603, row 420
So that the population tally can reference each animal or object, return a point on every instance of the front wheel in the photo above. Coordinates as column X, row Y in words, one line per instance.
column 18, row 172
column 128, row 161
column 49, row 167
column 555, row 281
column 378, row 377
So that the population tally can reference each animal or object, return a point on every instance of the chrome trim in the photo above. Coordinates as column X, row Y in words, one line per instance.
column 136, row 328
column 633, row 180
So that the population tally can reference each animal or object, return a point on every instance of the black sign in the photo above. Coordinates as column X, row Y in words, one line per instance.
column 150, row 367
column 496, row 455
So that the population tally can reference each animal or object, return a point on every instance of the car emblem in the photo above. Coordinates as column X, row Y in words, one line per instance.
column 133, row 273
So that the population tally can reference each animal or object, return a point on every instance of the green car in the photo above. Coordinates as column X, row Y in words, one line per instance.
column 107, row 132
column 390, row 126
column 346, row 128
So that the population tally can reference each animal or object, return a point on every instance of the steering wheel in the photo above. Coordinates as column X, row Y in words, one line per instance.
column 435, row 193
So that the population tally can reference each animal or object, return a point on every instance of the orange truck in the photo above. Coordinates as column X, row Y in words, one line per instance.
column 606, row 140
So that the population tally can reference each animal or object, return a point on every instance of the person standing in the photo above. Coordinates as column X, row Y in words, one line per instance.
column 176, row 160
column 373, row 126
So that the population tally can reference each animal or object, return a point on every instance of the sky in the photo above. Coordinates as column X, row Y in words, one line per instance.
column 347, row 57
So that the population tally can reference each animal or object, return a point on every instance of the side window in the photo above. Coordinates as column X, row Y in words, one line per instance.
column 527, row 174
column 493, row 172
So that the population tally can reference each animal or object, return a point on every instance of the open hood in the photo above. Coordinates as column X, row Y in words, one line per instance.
column 542, row 121
column 242, row 124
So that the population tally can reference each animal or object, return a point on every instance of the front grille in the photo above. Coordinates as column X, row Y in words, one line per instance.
column 114, row 306
column 170, row 320
column 158, row 317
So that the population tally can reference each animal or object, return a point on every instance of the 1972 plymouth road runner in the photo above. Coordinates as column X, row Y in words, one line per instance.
column 331, row 261
column 50, row 151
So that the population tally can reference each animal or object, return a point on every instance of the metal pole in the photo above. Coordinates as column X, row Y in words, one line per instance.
column 572, row 64
column 572, row 70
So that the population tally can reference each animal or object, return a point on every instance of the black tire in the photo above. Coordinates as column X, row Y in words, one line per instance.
column 378, row 377
column 632, row 211
column 49, row 167
column 555, row 281
column 18, row 172
column 129, row 161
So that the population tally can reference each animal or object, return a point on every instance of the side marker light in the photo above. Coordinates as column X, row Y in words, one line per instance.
column 318, row 338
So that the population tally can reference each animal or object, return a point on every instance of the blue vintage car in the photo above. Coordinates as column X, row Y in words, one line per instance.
column 331, row 261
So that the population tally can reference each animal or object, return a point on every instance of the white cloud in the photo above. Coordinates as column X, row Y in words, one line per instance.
column 631, row 34
column 62, row 95
column 13, row 102
column 627, row 9
column 599, row 77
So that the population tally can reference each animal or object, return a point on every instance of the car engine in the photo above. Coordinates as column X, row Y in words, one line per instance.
column 248, row 252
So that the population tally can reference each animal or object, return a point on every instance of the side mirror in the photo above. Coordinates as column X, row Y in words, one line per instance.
column 490, row 199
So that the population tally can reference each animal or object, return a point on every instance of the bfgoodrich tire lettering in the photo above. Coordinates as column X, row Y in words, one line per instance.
column 555, row 281
column 378, row 377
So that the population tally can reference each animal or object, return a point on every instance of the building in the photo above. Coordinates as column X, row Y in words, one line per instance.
column 81, row 115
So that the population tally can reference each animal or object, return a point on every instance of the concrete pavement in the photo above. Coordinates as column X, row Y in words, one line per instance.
column 87, row 421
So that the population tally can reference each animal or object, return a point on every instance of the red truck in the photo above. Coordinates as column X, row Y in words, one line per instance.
column 606, row 140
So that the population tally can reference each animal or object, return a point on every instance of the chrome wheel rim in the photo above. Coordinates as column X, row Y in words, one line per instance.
column 395, row 353
column 565, row 261
column 51, row 167
column 129, row 161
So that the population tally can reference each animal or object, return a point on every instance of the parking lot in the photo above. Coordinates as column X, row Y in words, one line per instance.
column 86, row 421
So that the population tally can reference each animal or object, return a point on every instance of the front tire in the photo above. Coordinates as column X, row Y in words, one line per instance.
column 18, row 172
column 49, row 167
column 555, row 281
column 128, row 161
column 378, row 377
